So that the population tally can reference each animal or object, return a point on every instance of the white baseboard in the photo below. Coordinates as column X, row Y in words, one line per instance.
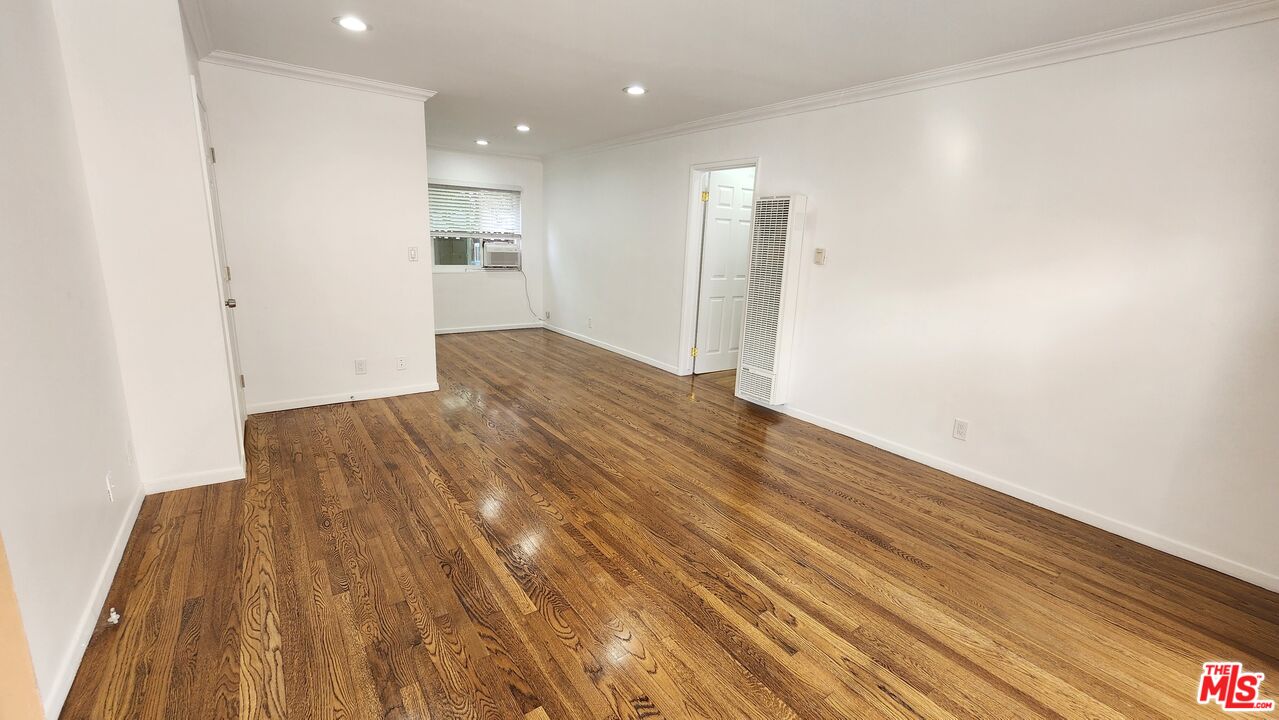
column 1149, row 538
column 276, row 405
column 1199, row 556
column 56, row 695
column 613, row 348
column 486, row 328
column 196, row 479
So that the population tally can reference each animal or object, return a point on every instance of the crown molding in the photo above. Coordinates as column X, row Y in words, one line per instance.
column 310, row 74
column 197, row 23
column 1176, row 27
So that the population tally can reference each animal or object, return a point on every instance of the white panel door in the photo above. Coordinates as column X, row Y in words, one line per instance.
column 725, row 252
column 223, row 267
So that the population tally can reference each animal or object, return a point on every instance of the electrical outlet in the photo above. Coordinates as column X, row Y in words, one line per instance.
column 412, row 253
column 110, row 488
column 548, row 314
column 401, row 363
column 819, row 256
column 590, row 323
column 361, row 366
column 960, row 429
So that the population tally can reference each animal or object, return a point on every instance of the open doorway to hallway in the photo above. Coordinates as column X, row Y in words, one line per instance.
column 727, row 198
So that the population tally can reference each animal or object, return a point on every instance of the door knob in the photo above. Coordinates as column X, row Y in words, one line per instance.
column 230, row 302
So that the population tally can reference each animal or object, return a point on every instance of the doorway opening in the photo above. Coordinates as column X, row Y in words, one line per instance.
column 722, row 202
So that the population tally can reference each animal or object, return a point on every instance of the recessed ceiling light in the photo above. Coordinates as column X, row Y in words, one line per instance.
column 352, row 23
column 634, row 90
column 522, row 127
column 481, row 141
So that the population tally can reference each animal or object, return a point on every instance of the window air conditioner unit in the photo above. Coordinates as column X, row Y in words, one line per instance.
column 501, row 254
column 772, row 297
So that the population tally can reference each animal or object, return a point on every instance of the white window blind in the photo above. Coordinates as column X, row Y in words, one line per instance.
column 469, row 212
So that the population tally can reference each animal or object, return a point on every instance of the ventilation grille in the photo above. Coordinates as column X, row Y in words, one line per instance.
column 764, row 290
column 754, row 386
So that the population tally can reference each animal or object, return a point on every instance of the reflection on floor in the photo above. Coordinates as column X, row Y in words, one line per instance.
column 562, row 532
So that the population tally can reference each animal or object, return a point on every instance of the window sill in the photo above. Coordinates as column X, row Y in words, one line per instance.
column 458, row 269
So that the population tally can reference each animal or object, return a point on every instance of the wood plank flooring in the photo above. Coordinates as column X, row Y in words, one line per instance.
column 561, row 532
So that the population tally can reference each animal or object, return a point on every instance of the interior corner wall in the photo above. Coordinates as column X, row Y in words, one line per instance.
column 65, row 424
column 1080, row 259
column 490, row 300
column 136, row 124
column 323, row 190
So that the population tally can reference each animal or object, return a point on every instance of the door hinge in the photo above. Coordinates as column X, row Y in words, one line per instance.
column 241, row 379
column 226, row 271
column 213, row 155
column 693, row 352
column 706, row 195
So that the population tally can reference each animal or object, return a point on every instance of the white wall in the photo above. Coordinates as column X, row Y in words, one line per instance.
column 65, row 423
column 323, row 190
column 131, row 94
column 487, row 300
column 1082, row 260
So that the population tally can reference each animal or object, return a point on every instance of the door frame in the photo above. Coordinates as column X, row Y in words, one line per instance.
column 697, row 176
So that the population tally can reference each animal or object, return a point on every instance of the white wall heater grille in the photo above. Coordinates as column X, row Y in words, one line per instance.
column 772, row 281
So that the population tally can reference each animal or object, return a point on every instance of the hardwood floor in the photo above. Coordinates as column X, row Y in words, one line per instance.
column 560, row 532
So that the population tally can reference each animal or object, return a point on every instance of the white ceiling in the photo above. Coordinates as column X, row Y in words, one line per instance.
column 560, row 65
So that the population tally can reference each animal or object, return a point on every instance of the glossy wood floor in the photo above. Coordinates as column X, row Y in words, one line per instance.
column 561, row 532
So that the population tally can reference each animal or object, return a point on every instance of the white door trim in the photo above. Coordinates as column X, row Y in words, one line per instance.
column 693, row 253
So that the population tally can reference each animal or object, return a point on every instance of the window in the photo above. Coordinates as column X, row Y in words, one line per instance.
column 466, row 219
